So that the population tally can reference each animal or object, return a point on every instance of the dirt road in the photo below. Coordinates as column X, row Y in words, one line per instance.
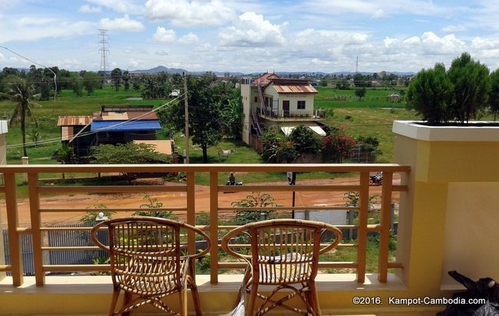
column 174, row 200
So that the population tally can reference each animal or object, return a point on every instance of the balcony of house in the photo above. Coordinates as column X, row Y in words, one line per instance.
column 280, row 115
column 378, row 260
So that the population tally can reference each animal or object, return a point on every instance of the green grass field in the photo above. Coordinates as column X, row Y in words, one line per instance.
column 372, row 116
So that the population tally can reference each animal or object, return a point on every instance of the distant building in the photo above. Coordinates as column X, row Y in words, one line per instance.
column 118, row 124
column 114, row 124
column 271, row 100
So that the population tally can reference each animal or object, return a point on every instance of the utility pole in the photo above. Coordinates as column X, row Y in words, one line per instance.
column 291, row 181
column 186, row 106
column 104, row 51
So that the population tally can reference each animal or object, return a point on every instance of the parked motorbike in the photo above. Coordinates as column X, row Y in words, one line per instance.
column 376, row 179
column 235, row 183
column 228, row 183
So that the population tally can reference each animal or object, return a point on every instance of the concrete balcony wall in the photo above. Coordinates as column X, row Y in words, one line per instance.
column 448, row 218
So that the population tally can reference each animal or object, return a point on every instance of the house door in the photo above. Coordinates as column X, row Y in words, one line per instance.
column 285, row 108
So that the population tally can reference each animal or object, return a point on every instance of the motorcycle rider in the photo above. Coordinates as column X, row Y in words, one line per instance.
column 232, row 179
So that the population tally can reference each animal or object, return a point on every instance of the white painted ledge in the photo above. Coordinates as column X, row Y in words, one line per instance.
column 468, row 133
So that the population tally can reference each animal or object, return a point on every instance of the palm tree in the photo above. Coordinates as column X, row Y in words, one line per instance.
column 23, row 93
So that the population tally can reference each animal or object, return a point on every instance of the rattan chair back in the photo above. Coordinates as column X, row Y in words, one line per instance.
column 149, row 260
column 284, row 253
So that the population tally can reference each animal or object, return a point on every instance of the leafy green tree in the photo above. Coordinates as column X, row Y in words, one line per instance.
column 205, row 112
column 23, row 94
column 470, row 81
column 153, row 208
column 129, row 153
column 430, row 94
column 493, row 97
column 360, row 93
column 126, row 80
column 43, row 80
column 91, row 81
column 116, row 78
column 277, row 148
column 254, row 200
column 207, row 96
column 305, row 140
column 359, row 80
column 35, row 136
column 459, row 94
column 76, row 82
column 337, row 146
column 65, row 154
column 232, row 114
column 369, row 145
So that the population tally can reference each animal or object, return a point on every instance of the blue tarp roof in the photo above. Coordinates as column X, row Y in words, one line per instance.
column 124, row 126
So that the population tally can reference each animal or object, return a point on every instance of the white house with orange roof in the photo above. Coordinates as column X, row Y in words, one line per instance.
column 271, row 100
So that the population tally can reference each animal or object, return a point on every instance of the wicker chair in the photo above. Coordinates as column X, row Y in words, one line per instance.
column 149, row 260
column 284, row 254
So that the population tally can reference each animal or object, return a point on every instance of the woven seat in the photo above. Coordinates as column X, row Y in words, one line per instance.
column 149, row 260
column 283, row 253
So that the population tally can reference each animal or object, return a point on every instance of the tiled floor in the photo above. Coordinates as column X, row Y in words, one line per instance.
column 394, row 314
column 376, row 314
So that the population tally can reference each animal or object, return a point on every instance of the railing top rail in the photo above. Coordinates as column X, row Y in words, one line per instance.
column 205, row 168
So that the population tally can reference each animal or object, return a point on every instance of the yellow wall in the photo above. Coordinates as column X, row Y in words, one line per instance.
column 448, row 217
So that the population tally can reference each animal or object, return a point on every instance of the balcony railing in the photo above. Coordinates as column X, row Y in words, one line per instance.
column 297, row 115
column 38, row 191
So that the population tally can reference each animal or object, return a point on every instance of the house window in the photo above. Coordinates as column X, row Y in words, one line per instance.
column 301, row 105
column 256, row 99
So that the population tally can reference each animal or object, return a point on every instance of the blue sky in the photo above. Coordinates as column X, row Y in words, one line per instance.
column 248, row 36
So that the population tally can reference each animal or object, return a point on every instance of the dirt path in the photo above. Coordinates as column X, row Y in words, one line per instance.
column 174, row 200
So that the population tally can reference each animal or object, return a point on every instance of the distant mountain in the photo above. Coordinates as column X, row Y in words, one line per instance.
column 160, row 69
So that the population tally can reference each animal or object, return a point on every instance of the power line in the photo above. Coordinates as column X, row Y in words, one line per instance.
column 34, row 62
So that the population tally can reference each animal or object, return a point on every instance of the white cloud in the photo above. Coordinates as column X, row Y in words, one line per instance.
column 449, row 44
column 379, row 8
column 319, row 35
column 183, row 13
column 135, row 63
column 252, row 29
column 189, row 39
column 163, row 35
column 6, row 4
column 428, row 43
column 121, row 24
column 121, row 6
column 19, row 29
column 89, row 9
column 454, row 29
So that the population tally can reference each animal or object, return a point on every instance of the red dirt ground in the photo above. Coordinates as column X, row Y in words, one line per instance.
column 174, row 199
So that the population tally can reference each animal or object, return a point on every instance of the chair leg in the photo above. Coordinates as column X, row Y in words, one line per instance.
column 191, row 284
column 195, row 297
column 126, row 301
column 114, row 301
column 313, row 300
column 252, row 299
column 183, row 302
